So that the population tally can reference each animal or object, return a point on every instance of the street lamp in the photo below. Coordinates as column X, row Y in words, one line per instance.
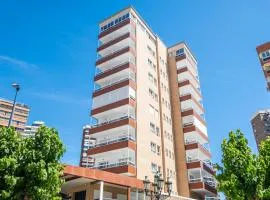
column 157, row 186
column 17, row 88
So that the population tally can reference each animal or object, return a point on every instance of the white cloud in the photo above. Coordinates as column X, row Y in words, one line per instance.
column 16, row 62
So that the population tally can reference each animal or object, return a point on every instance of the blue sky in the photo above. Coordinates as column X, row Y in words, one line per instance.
column 49, row 48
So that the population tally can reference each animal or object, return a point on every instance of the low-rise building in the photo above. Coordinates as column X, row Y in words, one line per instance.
column 30, row 130
column 20, row 115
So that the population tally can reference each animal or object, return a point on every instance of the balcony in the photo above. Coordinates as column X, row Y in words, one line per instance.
column 186, row 74
column 117, row 30
column 195, row 150
column 121, row 161
column 201, row 165
column 195, row 137
column 115, row 78
column 116, row 56
column 189, row 102
column 112, row 144
column 114, row 123
column 186, row 87
column 115, row 69
column 122, row 138
column 111, row 86
column 203, row 185
column 193, row 131
column 189, row 115
column 127, row 39
column 111, row 109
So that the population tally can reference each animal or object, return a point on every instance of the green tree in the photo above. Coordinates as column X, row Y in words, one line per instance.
column 244, row 176
column 37, row 171
column 9, row 149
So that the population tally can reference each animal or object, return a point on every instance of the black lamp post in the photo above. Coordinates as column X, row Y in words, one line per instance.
column 156, row 192
column 17, row 88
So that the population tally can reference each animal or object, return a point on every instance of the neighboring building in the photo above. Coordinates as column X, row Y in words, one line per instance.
column 147, row 107
column 261, row 125
column 30, row 130
column 85, row 160
column 20, row 115
column 264, row 56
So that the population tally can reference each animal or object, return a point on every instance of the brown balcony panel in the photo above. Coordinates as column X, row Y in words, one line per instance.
column 193, row 165
column 263, row 47
column 199, row 164
column 117, row 104
column 115, row 86
column 115, row 70
column 196, row 186
column 116, row 27
column 111, row 147
column 197, row 146
column 113, row 55
column 122, row 169
column 200, row 186
column 192, row 112
column 116, row 40
column 193, row 128
column 210, row 189
column 107, row 126
column 208, row 169
column 181, row 57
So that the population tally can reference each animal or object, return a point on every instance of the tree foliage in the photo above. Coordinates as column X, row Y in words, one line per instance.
column 244, row 175
column 30, row 167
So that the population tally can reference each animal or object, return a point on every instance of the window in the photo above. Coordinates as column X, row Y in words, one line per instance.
column 151, row 51
column 154, row 167
column 152, row 127
column 157, row 131
column 266, row 55
column 115, row 22
column 158, row 150
column 150, row 77
column 166, row 152
column 180, row 52
column 153, row 147
column 149, row 62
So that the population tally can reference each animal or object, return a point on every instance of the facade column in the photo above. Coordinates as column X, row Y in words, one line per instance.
column 101, row 188
column 90, row 192
column 128, row 194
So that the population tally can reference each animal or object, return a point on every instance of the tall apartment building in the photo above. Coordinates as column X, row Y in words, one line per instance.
column 147, row 109
column 261, row 125
column 30, row 130
column 264, row 56
column 20, row 115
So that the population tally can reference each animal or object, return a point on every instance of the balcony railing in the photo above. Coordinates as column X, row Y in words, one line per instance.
column 114, row 83
column 116, row 36
column 118, row 163
column 115, row 51
column 114, row 140
column 196, row 142
column 132, row 61
column 207, row 180
column 208, row 164
column 113, row 120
